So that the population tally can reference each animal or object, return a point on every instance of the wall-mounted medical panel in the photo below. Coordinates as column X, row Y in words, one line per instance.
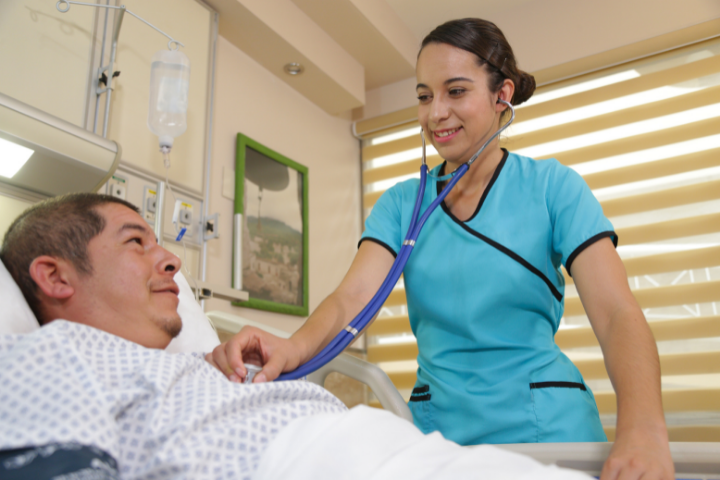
column 157, row 203
column 191, row 23
column 142, row 188
column 63, row 157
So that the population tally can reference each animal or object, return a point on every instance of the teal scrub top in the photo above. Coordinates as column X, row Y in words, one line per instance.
column 485, row 298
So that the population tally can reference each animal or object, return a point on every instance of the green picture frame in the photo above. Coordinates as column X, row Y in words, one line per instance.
column 271, row 216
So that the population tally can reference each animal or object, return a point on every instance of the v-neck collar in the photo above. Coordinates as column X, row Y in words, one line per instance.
column 445, row 208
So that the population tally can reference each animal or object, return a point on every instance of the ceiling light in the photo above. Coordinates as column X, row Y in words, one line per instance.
column 58, row 157
column 13, row 157
column 293, row 68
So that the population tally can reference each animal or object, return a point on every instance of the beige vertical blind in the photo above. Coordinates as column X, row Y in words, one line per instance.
column 645, row 136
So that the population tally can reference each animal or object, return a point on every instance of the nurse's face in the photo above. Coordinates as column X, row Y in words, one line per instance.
column 457, row 110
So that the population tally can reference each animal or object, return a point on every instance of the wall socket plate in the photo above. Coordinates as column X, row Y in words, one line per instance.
column 149, row 205
column 117, row 187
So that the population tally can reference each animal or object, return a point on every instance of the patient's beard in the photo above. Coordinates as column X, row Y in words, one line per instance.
column 170, row 325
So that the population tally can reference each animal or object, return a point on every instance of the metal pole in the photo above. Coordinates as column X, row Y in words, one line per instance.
column 159, row 211
column 208, row 156
column 109, row 69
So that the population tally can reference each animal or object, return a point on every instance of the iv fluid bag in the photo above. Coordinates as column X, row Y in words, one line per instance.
column 169, row 83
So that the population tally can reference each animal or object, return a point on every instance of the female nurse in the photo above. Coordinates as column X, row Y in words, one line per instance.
column 484, row 287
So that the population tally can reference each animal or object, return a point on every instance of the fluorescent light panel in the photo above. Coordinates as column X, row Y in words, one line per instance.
column 12, row 157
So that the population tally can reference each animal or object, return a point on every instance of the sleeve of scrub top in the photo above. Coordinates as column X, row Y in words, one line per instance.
column 383, row 224
column 577, row 218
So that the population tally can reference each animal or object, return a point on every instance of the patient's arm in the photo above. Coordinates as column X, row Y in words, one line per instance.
column 367, row 272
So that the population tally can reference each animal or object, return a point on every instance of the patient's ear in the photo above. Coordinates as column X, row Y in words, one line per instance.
column 52, row 276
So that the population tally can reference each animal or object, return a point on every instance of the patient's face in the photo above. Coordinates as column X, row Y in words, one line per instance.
column 131, row 290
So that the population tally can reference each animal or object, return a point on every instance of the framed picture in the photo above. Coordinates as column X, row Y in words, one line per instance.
column 271, row 229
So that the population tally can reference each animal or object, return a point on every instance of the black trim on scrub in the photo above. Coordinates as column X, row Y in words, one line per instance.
column 420, row 398
column 579, row 386
column 586, row 244
column 382, row 244
column 487, row 240
column 419, row 390
column 558, row 296
column 498, row 169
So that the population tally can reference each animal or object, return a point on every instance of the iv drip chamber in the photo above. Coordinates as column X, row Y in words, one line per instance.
column 169, row 83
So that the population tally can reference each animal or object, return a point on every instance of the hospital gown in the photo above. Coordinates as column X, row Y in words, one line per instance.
column 159, row 415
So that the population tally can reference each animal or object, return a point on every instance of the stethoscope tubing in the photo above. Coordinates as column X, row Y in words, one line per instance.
column 361, row 321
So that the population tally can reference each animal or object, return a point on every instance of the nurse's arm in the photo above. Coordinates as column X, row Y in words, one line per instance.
column 276, row 355
column 641, row 447
column 367, row 272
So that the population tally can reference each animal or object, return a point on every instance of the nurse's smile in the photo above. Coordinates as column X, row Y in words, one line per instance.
column 442, row 136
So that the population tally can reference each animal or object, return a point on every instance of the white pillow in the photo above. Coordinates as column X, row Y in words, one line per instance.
column 16, row 314
column 197, row 334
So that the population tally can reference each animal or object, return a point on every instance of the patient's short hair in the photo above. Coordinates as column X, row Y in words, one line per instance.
column 60, row 227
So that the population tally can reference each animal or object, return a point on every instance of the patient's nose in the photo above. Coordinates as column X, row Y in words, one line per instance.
column 170, row 262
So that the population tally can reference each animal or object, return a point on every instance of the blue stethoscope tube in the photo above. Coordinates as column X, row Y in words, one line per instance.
column 348, row 334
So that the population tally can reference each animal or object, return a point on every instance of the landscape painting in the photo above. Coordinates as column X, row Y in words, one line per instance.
column 273, row 204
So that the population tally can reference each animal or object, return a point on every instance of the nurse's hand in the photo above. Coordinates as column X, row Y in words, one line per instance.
column 254, row 346
column 642, row 455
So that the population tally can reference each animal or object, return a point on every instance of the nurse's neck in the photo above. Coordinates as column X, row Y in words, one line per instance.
column 465, row 196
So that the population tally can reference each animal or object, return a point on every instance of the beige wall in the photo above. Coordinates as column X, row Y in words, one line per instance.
column 251, row 100
column 45, row 56
column 589, row 28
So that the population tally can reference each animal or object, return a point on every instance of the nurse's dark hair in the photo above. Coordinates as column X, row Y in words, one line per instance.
column 487, row 42
column 59, row 227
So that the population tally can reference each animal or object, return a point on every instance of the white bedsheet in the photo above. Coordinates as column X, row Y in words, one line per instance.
column 371, row 444
column 159, row 415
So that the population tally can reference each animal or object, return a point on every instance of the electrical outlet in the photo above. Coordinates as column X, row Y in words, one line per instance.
column 149, row 205
column 185, row 216
column 117, row 187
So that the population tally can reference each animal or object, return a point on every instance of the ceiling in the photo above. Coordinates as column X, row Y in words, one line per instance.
column 424, row 15
column 350, row 47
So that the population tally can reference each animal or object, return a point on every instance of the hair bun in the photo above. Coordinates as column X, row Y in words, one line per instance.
column 524, row 89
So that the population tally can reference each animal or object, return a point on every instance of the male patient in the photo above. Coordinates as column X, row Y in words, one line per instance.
column 95, row 394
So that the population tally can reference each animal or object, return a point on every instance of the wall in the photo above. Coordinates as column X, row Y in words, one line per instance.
column 251, row 100
column 46, row 56
column 552, row 32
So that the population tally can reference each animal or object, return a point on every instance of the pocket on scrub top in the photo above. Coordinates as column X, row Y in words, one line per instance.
column 421, row 408
column 566, row 412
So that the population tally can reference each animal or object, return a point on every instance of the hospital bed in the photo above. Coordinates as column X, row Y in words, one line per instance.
column 693, row 460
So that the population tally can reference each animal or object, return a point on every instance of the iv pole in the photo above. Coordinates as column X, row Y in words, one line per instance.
column 63, row 6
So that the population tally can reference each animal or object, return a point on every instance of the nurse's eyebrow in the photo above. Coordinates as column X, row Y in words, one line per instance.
column 457, row 79
column 447, row 82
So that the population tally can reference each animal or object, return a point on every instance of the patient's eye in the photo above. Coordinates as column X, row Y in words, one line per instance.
column 137, row 240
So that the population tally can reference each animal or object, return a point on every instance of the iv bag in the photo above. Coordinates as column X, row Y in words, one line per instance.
column 169, row 83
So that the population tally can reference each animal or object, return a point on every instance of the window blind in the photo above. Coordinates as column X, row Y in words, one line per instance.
column 645, row 136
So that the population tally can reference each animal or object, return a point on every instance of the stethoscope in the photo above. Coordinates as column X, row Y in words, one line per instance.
column 348, row 334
